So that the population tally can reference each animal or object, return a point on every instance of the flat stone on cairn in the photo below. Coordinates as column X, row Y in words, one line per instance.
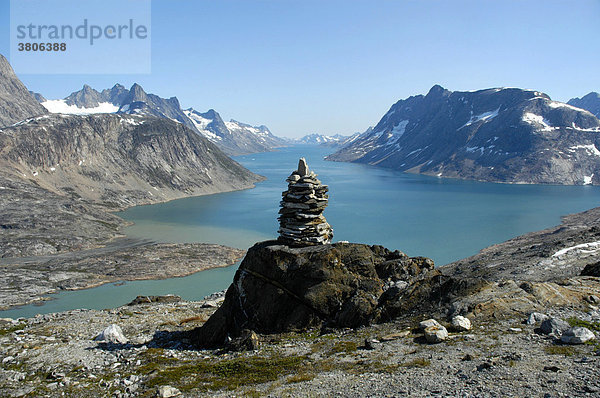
column 301, row 222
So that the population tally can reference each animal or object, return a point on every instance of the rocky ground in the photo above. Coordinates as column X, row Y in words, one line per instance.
column 29, row 279
column 56, row 355
column 550, row 254
column 36, row 222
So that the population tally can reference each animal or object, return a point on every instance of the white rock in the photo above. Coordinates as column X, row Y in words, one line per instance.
column 112, row 334
column 436, row 334
column 577, row 335
column 168, row 392
column 536, row 317
column 427, row 323
column 8, row 359
column 461, row 323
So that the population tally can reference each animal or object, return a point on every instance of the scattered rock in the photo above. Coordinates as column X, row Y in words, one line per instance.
column 395, row 336
column 515, row 330
column 536, row 317
column 112, row 334
column 168, row 392
column 461, row 324
column 577, row 335
column 169, row 298
column 551, row 369
column 435, row 334
column 247, row 341
column 427, row 323
column 554, row 326
column 592, row 299
column 484, row 366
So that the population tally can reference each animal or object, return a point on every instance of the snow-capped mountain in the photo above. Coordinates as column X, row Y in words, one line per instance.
column 589, row 102
column 233, row 137
column 498, row 134
column 321, row 139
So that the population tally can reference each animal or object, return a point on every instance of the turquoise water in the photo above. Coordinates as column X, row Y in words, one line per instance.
column 444, row 219
column 193, row 287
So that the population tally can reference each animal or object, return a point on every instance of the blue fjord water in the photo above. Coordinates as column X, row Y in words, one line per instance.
column 444, row 219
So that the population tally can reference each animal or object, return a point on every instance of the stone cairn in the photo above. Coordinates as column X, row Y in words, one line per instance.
column 301, row 222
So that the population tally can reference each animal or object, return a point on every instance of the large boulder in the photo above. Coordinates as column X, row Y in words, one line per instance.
column 280, row 288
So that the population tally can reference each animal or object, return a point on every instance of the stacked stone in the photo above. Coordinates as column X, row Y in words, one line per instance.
column 301, row 222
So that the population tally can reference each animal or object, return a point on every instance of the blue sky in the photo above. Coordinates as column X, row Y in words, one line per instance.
column 332, row 66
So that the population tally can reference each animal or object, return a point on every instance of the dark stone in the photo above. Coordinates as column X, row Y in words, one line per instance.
column 279, row 289
column 247, row 341
column 591, row 270
column 169, row 298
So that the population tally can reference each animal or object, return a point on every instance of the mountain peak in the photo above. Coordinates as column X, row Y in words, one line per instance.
column 437, row 90
column 16, row 103
column 589, row 102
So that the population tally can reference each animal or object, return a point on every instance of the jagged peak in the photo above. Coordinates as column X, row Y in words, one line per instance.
column 437, row 90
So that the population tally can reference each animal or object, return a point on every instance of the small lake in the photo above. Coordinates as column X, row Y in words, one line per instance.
column 444, row 219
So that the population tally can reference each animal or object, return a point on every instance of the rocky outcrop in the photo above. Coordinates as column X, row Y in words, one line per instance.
column 301, row 222
column 566, row 250
column 497, row 135
column 278, row 288
column 16, row 102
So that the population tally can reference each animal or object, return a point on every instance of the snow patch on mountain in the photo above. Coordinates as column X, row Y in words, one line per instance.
column 534, row 119
column 591, row 149
column 60, row 106
column 485, row 117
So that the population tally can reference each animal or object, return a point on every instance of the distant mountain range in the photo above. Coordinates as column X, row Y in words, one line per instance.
column 326, row 140
column 234, row 138
column 498, row 134
column 590, row 102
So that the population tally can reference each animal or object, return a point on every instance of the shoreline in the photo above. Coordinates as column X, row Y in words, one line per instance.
column 155, row 261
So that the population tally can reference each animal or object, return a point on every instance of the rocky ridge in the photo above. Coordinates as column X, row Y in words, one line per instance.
column 498, row 135
column 118, row 160
column 589, row 102
column 16, row 102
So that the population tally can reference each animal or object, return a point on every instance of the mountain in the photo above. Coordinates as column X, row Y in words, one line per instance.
column 118, row 160
column 498, row 135
column 16, row 102
column 589, row 102
column 233, row 137
column 334, row 141
column 320, row 139
column 38, row 97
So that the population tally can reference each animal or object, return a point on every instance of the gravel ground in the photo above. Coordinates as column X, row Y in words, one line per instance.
column 55, row 355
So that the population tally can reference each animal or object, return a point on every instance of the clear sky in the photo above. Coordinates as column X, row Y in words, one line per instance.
column 336, row 66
